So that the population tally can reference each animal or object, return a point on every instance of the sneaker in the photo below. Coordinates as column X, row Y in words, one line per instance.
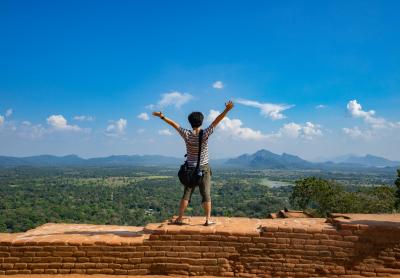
column 177, row 221
column 209, row 222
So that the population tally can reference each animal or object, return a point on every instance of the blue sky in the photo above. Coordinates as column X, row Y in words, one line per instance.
column 333, row 65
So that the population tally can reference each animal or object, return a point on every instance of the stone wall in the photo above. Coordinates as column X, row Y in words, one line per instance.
column 349, row 245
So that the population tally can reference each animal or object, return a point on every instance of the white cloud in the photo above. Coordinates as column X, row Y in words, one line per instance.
column 376, row 126
column 116, row 128
column 30, row 131
column 291, row 130
column 141, row 130
column 357, row 133
column 306, row 131
column 83, row 118
column 320, row 106
column 165, row 132
column 1, row 120
column 218, row 85
column 58, row 122
column 174, row 98
column 355, row 110
column 9, row 112
column 143, row 116
column 234, row 128
column 268, row 110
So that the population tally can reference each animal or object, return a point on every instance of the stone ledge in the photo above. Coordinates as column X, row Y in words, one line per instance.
column 345, row 245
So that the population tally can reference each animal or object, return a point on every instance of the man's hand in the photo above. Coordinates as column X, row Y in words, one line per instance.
column 228, row 105
column 165, row 119
column 158, row 114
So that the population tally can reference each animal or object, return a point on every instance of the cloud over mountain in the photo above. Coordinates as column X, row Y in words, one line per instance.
column 58, row 122
column 307, row 130
column 234, row 128
column 376, row 126
column 116, row 128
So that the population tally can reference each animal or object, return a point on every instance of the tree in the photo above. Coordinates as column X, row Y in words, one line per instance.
column 320, row 195
column 397, row 183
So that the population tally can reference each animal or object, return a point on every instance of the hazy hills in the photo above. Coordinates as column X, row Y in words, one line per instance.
column 262, row 159
column 74, row 160
column 367, row 160
column 267, row 159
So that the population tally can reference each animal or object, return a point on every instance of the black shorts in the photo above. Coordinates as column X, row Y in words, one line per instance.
column 204, row 186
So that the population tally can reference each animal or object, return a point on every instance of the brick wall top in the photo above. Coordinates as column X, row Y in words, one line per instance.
column 85, row 234
column 371, row 222
column 239, row 226
column 76, row 234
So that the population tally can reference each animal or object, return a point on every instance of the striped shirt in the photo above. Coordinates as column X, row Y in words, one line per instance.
column 192, row 145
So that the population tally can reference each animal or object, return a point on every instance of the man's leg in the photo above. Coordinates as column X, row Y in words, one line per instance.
column 207, row 209
column 205, row 191
column 187, row 195
column 182, row 207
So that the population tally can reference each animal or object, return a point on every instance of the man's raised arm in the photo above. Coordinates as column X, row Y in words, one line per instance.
column 165, row 119
column 228, row 107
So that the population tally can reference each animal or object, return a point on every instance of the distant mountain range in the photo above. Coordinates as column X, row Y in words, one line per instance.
column 367, row 160
column 261, row 159
column 269, row 160
column 74, row 160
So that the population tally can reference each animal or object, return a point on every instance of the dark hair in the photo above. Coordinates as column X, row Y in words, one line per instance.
column 196, row 119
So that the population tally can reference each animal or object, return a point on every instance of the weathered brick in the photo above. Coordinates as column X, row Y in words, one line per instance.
column 113, row 265
column 351, row 238
column 135, row 260
column 177, row 266
column 43, row 254
column 321, row 236
column 62, row 254
column 78, row 271
column 7, row 266
column 154, row 253
column 107, row 271
column 11, row 259
column 50, row 271
column 121, row 260
column 120, row 271
column 66, row 248
column 209, row 243
column 138, row 271
column 107, row 259
column 69, row 259
column 197, row 248
column 190, row 254
column 20, row 265
column 181, row 237
column 211, row 269
column 142, row 248
column 209, row 254
column 82, row 259
column 85, row 265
